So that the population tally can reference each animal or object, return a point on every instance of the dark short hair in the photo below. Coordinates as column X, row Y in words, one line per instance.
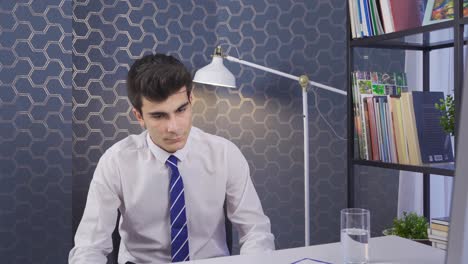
column 156, row 77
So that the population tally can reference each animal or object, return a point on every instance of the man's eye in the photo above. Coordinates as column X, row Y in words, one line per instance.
column 182, row 110
column 157, row 116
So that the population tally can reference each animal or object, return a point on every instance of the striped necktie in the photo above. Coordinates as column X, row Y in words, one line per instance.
column 179, row 230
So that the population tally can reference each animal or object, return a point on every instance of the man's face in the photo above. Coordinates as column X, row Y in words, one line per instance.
column 168, row 122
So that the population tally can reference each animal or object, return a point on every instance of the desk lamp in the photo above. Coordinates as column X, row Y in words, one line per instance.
column 217, row 74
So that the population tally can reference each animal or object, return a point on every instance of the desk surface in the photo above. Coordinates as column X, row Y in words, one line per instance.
column 388, row 249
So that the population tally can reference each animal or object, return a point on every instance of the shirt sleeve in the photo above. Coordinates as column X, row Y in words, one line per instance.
column 93, row 238
column 244, row 209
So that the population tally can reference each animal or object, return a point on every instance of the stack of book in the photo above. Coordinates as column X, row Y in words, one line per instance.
column 375, row 17
column 397, row 126
column 438, row 232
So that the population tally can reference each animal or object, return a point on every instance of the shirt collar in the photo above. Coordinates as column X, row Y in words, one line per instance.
column 163, row 155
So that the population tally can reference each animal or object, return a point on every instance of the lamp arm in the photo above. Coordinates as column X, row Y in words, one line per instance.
column 287, row 75
column 303, row 81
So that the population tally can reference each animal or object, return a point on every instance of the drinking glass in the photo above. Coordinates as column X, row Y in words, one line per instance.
column 355, row 234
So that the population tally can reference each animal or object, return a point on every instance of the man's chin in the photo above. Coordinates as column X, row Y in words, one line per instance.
column 175, row 146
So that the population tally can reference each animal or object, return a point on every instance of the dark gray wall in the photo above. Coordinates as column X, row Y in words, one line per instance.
column 35, row 131
column 263, row 116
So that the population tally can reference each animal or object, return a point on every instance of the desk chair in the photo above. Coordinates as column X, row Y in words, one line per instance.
column 112, row 258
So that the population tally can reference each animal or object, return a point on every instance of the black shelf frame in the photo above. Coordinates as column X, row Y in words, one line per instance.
column 394, row 41
column 395, row 166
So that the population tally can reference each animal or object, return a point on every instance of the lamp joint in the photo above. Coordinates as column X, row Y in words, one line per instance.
column 304, row 81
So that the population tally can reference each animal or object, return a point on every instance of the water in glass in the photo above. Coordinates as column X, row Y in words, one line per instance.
column 355, row 244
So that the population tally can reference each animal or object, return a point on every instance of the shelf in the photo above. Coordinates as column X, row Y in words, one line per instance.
column 437, row 169
column 413, row 39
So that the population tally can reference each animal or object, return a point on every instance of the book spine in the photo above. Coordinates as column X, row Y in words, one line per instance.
column 387, row 16
column 379, row 127
column 373, row 129
column 352, row 18
column 391, row 131
column 368, row 133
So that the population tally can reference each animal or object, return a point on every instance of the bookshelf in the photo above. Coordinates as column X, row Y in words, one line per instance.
column 406, row 40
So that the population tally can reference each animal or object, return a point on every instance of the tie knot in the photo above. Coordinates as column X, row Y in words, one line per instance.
column 172, row 160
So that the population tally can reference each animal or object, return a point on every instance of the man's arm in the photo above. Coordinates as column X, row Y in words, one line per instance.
column 243, row 206
column 93, row 239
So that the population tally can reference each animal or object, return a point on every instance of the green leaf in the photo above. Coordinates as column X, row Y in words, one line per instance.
column 411, row 226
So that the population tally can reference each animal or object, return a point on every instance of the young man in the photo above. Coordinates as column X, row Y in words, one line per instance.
column 169, row 183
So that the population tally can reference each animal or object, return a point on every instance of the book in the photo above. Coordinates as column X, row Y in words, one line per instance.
column 364, row 18
column 378, row 127
column 367, row 121
column 352, row 18
column 373, row 129
column 387, row 17
column 391, row 132
column 441, row 10
column 437, row 233
column 435, row 144
column 378, row 17
column 382, row 101
column 436, row 237
column 441, row 220
column 439, row 245
column 409, row 124
column 402, row 150
column 439, row 227
column 405, row 14
column 359, row 18
column 364, row 90
column 386, row 83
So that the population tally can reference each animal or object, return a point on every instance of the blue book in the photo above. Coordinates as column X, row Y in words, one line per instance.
column 384, row 102
column 435, row 144
column 383, row 128
column 361, row 24
column 368, row 17
column 377, row 124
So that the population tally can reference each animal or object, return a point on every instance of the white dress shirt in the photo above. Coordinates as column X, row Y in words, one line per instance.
column 132, row 176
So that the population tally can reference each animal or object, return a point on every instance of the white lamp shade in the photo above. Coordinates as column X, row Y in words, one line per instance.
column 215, row 73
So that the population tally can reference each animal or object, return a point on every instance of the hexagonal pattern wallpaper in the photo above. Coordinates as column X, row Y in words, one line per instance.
column 35, row 131
column 263, row 116
column 62, row 74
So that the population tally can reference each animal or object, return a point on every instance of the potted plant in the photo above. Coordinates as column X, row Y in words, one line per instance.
column 411, row 226
column 447, row 120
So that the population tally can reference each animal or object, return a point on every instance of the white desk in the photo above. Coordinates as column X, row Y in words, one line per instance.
column 389, row 249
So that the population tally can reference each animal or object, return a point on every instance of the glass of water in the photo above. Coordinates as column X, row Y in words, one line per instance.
column 355, row 234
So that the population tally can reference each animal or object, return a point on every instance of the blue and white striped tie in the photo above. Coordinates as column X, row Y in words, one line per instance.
column 179, row 230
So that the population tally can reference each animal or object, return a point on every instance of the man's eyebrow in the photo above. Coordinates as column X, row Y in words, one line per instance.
column 184, row 105
column 157, row 113
column 164, row 113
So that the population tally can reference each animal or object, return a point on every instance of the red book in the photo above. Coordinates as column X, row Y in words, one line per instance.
column 373, row 129
column 405, row 14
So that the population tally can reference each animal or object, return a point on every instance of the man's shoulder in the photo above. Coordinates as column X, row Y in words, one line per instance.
column 201, row 136
column 131, row 143
column 204, row 138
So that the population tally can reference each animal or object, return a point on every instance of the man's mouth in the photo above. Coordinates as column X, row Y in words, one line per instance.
column 175, row 140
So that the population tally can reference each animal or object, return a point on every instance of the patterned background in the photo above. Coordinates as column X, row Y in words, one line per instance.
column 40, row 42
column 35, row 131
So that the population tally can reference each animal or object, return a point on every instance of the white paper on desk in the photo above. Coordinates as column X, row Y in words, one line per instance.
column 310, row 261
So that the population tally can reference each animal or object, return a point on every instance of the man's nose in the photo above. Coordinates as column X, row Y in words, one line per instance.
column 172, row 125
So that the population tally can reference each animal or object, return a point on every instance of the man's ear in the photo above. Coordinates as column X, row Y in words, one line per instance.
column 139, row 117
column 190, row 97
